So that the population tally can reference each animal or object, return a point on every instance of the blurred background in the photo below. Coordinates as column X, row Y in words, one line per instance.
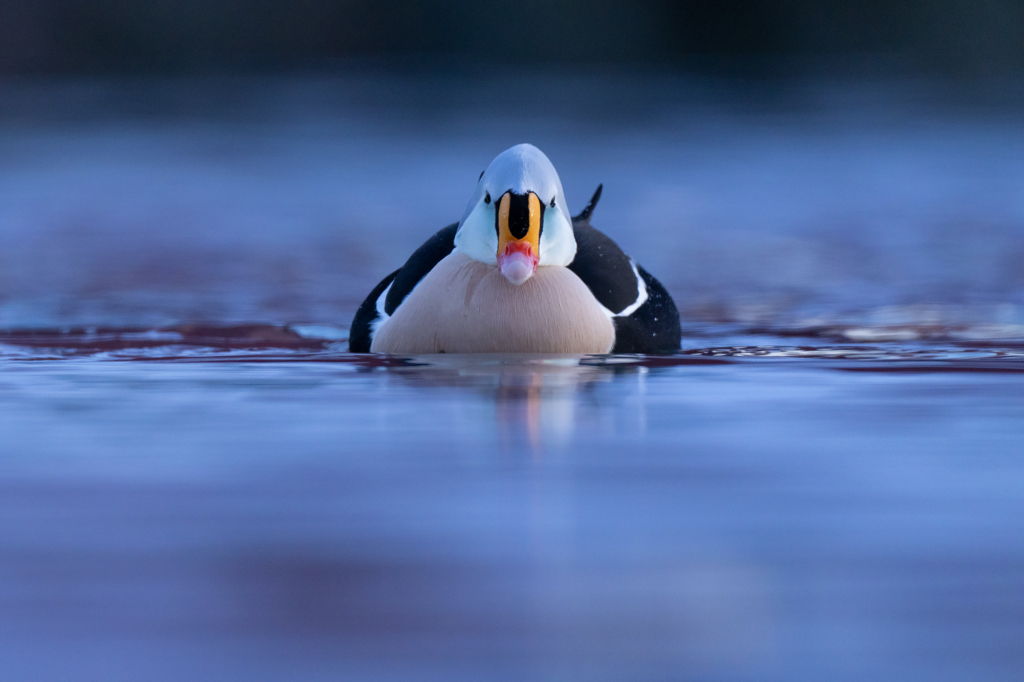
column 784, row 163
column 969, row 40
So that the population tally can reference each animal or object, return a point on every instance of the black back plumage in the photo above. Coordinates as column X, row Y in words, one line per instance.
column 359, row 334
column 402, row 281
column 602, row 265
column 419, row 264
column 599, row 263
column 608, row 273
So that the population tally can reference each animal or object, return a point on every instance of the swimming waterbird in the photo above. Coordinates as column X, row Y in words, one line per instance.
column 518, row 275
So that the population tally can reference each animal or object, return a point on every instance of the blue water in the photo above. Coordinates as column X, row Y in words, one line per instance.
column 210, row 516
column 826, row 483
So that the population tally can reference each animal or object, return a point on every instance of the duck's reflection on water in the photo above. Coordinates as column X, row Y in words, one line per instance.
column 534, row 397
column 537, row 397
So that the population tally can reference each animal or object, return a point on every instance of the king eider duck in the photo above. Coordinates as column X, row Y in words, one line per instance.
column 517, row 275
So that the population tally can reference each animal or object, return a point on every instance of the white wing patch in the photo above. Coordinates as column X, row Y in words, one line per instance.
column 382, row 316
column 641, row 298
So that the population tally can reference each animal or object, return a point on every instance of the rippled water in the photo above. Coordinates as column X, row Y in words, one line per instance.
column 197, row 481
column 248, row 503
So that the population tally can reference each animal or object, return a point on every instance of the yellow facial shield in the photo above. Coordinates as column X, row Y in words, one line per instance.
column 519, row 221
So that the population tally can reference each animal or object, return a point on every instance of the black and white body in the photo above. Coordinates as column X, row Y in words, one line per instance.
column 518, row 275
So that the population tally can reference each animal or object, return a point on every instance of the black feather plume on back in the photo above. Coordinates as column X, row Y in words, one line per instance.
column 584, row 216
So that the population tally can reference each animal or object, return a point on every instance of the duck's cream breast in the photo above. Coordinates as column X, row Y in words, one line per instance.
column 465, row 306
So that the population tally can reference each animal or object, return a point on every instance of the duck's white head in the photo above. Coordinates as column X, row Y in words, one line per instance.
column 517, row 218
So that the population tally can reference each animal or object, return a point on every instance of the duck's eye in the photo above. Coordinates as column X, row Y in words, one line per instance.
column 487, row 197
column 552, row 204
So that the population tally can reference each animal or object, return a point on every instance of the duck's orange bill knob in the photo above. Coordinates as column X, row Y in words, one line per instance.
column 519, row 221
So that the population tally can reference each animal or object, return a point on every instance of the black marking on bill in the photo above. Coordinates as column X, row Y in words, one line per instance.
column 519, row 215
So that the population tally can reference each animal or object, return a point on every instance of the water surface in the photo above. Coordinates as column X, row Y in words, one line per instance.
column 748, row 509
